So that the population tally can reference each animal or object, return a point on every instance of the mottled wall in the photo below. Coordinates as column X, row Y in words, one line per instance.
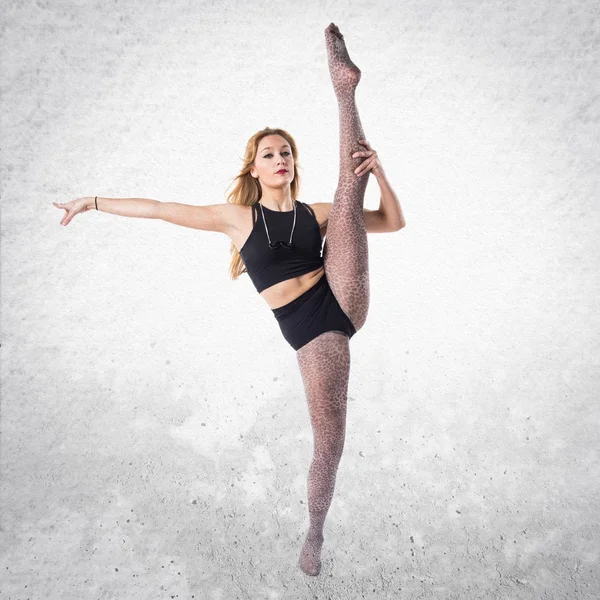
column 155, row 438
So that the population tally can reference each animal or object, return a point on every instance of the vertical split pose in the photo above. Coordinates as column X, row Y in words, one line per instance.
column 318, row 302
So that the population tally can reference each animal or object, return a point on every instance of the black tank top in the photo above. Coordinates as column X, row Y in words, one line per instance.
column 267, row 266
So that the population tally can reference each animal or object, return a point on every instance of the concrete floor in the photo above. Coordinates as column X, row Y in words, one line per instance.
column 155, row 439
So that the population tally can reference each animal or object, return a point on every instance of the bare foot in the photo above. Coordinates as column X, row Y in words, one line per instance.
column 345, row 75
column 310, row 557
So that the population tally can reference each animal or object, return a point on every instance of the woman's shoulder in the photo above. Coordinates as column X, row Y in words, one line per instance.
column 321, row 211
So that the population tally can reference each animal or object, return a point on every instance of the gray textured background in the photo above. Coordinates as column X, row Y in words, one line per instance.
column 155, row 437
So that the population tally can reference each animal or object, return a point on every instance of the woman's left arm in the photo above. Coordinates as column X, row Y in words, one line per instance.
column 389, row 205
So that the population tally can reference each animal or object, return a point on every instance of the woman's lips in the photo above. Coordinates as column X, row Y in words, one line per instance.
column 282, row 172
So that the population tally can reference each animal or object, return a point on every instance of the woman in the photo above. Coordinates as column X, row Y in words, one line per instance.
column 319, row 302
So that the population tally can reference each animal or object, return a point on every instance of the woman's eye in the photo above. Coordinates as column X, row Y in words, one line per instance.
column 268, row 155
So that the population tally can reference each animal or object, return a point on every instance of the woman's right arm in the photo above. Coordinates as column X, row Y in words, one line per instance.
column 213, row 217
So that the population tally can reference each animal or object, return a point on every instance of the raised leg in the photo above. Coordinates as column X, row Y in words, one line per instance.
column 346, row 257
column 325, row 367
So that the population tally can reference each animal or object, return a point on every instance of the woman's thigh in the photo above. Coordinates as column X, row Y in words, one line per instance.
column 346, row 261
column 325, row 367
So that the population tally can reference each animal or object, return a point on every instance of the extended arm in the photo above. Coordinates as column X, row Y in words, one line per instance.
column 126, row 207
column 213, row 217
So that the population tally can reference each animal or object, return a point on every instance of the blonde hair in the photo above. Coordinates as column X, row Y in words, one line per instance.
column 247, row 190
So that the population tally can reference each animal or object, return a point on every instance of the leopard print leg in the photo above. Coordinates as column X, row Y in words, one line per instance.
column 346, row 258
column 325, row 367
column 325, row 361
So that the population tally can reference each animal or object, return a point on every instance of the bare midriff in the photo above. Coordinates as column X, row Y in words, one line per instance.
column 284, row 292
column 281, row 293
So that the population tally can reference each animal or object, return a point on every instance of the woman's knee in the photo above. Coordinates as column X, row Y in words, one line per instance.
column 328, row 453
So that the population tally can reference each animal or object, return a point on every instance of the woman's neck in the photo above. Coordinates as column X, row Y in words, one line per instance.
column 281, row 203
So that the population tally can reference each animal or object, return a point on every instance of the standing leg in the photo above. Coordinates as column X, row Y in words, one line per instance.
column 346, row 257
column 325, row 367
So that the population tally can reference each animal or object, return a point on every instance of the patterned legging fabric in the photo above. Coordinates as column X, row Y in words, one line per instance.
column 325, row 361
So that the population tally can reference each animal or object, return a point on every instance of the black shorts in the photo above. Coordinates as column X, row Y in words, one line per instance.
column 311, row 314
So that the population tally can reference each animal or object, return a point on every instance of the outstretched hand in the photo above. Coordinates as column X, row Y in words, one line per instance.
column 73, row 208
column 371, row 162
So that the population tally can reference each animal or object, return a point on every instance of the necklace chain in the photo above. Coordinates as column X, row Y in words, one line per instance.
column 267, row 229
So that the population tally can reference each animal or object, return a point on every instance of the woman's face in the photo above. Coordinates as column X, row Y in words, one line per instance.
column 274, row 154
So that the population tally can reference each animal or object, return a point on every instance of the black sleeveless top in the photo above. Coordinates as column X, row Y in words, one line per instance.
column 267, row 266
